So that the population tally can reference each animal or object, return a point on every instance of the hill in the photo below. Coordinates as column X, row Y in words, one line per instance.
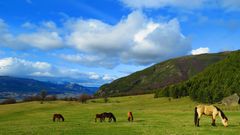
column 160, row 75
column 215, row 82
column 151, row 117
column 21, row 87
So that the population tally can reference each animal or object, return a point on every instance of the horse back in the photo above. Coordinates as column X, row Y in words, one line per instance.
column 129, row 114
column 206, row 110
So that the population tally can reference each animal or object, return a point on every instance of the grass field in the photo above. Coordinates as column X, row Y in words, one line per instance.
column 152, row 117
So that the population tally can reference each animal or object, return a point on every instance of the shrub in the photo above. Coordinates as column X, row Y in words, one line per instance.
column 9, row 101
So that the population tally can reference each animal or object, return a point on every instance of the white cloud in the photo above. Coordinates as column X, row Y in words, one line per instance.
column 107, row 77
column 91, row 60
column 188, row 4
column 19, row 67
column 44, row 37
column 200, row 50
column 93, row 75
column 135, row 40
column 230, row 5
column 41, row 40
column 23, row 68
column 28, row 25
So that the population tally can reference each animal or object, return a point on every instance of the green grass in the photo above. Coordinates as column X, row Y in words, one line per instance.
column 152, row 117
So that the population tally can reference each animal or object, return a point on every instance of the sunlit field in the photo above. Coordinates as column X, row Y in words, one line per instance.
column 151, row 117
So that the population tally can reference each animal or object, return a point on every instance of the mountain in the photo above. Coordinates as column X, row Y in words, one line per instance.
column 211, row 85
column 21, row 87
column 160, row 75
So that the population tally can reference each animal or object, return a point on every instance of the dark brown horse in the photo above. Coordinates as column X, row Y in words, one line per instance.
column 110, row 116
column 104, row 115
column 130, row 116
column 58, row 117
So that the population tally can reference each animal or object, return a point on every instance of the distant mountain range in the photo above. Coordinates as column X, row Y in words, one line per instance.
column 161, row 75
column 22, row 87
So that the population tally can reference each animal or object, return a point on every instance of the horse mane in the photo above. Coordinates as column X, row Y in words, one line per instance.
column 222, row 114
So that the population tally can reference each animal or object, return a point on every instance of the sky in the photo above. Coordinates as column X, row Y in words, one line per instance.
column 92, row 42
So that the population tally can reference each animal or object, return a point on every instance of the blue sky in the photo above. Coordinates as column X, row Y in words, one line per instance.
column 93, row 42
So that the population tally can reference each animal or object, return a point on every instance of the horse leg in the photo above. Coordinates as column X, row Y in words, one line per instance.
column 129, row 119
column 198, row 119
column 213, row 120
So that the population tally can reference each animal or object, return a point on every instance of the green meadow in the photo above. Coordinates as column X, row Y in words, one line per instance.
column 151, row 117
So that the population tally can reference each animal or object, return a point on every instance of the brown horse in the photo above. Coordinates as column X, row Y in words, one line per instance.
column 209, row 110
column 58, row 117
column 130, row 116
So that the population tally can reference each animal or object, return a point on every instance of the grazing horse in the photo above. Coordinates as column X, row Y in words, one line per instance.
column 130, row 116
column 104, row 115
column 99, row 116
column 209, row 110
column 58, row 117
column 110, row 116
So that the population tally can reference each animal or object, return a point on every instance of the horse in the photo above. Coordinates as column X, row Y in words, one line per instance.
column 99, row 116
column 130, row 116
column 58, row 117
column 209, row 110
column 110, row 116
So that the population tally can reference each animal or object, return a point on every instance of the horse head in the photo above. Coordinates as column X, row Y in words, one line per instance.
column 225, row 122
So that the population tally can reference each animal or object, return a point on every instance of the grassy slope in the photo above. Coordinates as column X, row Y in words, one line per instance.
column 217, row 81
column 152, row 117
column 161, row 75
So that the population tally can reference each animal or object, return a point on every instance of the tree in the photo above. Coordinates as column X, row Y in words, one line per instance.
column 84, row 97
column 105, row 99
column 43, row 95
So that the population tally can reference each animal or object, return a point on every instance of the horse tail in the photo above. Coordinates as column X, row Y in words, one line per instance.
column 54, row 117
column 195, row 116
column 221, row 112
column 114, row 119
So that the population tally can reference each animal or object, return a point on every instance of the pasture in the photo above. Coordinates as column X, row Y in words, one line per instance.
column 151, row 117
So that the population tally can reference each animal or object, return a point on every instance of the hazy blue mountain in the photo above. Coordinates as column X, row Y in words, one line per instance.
column 21, row 87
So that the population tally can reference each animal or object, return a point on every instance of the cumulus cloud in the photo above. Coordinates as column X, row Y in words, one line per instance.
column 44, row 37
column 19, row 67
column 136, row 39
column 200, row 50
